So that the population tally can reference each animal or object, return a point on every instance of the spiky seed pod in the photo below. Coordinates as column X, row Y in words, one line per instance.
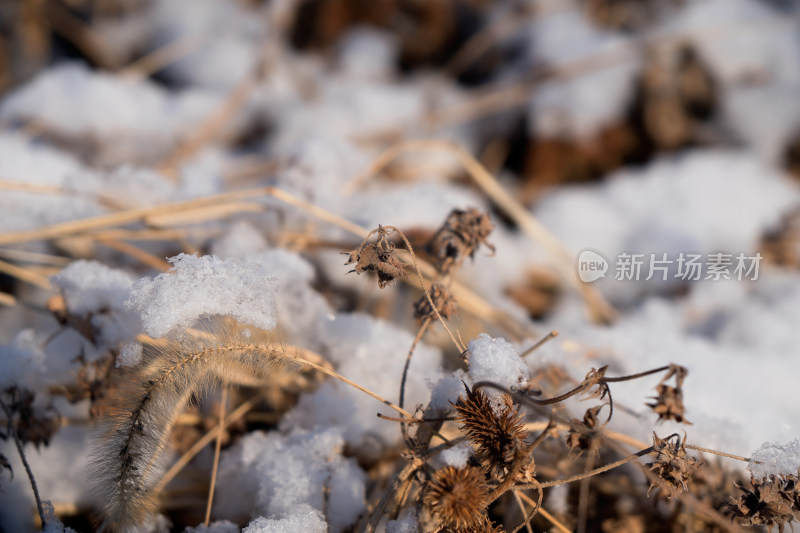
column 442, row 299
column 772, row 502
column 498, row 435
column 459, row 237
column 458, row 498
column 583, row 435
column 672, row 465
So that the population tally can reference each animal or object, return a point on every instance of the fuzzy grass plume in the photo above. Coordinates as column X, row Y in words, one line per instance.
column 149, row 397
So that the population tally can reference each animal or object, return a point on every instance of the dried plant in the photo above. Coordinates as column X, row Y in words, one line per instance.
column 672, row 465
column 497, row 433
column 379, row 257
column 25, row 423
column 442, row 299
column 668, row 404
column 147, row 399
column 774, row 501
column 585, row 435
column 459, row 238
column 459, row 497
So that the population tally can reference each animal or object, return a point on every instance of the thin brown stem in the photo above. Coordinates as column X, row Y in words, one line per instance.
column 583, row 495
column 553, row 334
column 636, row 376
column 401, row 401
column 526, row 523
column 550, row 518
column 415, row 420
column 721, row 454
column 12, row 430
column 217, row 447
column 590, row 473
column 459, row 346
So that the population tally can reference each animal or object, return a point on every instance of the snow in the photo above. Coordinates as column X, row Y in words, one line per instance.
column 752, row 48
column 495, row 360
column 22, row 362
column 407, row 524
column 224, row 36
column 204, row 286
column 578, row 106
column 129, row 355
column 694, row 202
column 372, row 353
column 93, row 290
column 302, row 518
column 30, row 162
column 366, row 53
column 275, row 473
column 139, row 116
column 774, row 459
column 221, row 526
column 457, row 455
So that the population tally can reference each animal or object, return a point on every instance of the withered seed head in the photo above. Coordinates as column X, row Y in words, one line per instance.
column 772, row 502
column 36, row 425
column 593, row 383
column 583, row 435
column 442, row 299
column 458, row 497
column 498, row 437
column 459, row 237
column 379, row 258
column 668, row 404
column 673, row 465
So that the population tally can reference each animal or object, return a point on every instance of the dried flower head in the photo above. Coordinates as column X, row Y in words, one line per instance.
column 458, row 497
column 499, row 435
column 672, row 465
column 669, row 402
column 442, row 299
column 459, row 237
column 594, row 383
column 378, row 257
column 34, row 424
column 584, row 435
column 772, row 502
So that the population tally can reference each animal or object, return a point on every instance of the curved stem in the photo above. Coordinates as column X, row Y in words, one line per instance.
column 12, row 430
column 590, row 473
column 636, row 376
column 459, row 346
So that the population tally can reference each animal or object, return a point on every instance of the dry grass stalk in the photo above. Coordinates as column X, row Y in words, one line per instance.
column 148, row 398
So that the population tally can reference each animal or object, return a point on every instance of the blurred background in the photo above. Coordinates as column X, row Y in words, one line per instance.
column 620, row 126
